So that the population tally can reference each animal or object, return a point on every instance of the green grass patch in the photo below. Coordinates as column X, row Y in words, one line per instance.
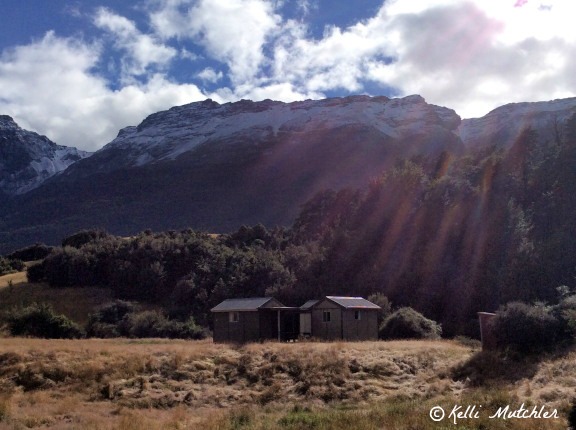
column 398, row 413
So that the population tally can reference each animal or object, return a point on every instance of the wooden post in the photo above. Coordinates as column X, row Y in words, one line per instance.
column 486, row 333
column 279, row 325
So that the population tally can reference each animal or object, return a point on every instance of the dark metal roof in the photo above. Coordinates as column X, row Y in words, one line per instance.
column 249, row 304
column 353, row 302
column 306, row 306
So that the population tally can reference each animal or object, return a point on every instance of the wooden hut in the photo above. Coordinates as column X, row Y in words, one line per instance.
column 346, row 318
column 254, row 319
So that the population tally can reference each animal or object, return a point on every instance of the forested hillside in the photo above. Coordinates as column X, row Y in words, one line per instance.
column 456, row 236
column 448, row 236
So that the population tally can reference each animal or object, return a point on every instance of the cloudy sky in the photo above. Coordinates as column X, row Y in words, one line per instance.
column 78, row 71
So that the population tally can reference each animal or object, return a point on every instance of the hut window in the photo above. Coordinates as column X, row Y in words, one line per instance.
column 234, row 316
column 326, row 316
column 356, row 315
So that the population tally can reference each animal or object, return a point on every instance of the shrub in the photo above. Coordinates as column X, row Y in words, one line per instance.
column 70, row 267
column 39, row 320
column 35, row 273
column 31, row 253
column 144, row 324
column 526, row 328
column 566, row 313
column 83, row 237
column 120, row 318
column 10, row 266
column 406, row 323
column 106, row 321
column 155, row 324
column 385, row 306
column 103, row 330
column 113, row 312
column 183, row 329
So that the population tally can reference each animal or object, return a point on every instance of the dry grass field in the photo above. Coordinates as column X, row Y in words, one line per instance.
column 162, row 384
column 13, row 279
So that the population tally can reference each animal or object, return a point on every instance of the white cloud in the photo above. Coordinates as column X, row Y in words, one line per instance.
column 468, row 55
column 210, row 75
column 50, row 87
column 305, row 6
column 141, row 51
column 335, row 62
column 474, row 56
column 274, row 91
column 231, row 31
column 188, row 55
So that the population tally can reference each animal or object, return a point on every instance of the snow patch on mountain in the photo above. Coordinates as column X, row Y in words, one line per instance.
column 28, row 159
column 504, row 124
column 167, row 135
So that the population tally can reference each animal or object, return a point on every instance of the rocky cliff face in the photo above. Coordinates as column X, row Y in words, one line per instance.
column 28, row 159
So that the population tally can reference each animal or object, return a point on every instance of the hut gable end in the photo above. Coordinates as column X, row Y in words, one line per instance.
column 246, row 320
column 346, row 318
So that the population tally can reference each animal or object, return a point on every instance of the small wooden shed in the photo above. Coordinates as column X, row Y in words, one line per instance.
column 346, row 318
column 253, row 320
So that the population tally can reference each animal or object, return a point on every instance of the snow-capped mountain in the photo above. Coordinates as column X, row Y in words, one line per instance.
column 217, row 166
column 503, row 125
column 28, row 159
column 169, row 134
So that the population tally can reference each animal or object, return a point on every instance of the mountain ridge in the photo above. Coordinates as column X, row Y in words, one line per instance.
column 168, row 134
column 504, row 124
column 217, row 166
column 28, row 159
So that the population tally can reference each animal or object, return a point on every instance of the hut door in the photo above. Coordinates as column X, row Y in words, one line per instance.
column 305, row 324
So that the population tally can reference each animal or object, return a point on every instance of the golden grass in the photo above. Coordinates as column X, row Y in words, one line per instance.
column 158, row 384
column 180, row 375
column 13, row 279
column 553, row 382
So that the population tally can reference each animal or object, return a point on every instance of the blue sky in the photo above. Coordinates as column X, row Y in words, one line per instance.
column 78, row 71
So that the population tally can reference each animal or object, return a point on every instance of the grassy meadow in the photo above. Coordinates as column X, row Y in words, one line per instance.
column 17, row 278
column 176, row 384
column 163, row 384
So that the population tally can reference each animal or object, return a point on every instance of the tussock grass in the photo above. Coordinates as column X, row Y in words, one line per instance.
column 157, row 383
column 5, row 407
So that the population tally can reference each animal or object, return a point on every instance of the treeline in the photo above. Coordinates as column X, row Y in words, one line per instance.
column 453, row 236
column 187, row 272
column 448, row 237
